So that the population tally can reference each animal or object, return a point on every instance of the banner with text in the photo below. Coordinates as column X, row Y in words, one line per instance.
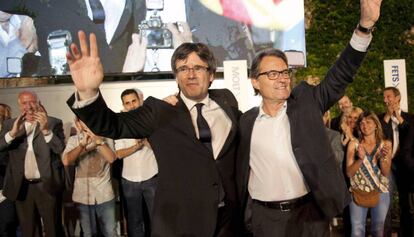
column 395, row 75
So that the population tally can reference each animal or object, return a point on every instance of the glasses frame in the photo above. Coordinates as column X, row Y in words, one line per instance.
column 196, row 69
column 286, row 74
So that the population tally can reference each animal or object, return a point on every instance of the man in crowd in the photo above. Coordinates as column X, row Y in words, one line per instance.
column 396, row 126
column 93, row 191
column 193, row 142
column 139, row 173
column 34, row 176
column 345, row 105
column 294, row 188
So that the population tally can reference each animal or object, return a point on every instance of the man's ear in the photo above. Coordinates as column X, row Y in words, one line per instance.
column 255, row 83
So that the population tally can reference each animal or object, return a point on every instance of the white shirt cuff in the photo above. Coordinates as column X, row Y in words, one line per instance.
column 48, row 137
column 80, row 104
column 360, row 43
column 8, row 138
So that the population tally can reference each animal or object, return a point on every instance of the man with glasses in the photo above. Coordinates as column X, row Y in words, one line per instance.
column 194, row 141
column 287, row 176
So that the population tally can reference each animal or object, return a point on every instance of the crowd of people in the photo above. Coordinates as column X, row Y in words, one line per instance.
column 194, row 165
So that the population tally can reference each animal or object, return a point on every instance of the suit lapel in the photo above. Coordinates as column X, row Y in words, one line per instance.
column 123, row 22
column 184, row 120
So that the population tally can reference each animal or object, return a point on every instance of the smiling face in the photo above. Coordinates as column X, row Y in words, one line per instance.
column 390, row 98
column 193, row 83
column 277, row 90
column 367, row 126
column 28, row 104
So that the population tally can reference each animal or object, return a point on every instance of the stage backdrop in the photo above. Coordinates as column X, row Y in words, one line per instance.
column 233, row 29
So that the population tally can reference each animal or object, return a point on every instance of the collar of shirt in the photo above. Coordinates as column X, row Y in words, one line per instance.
column 394, row 118
column 263, row 114
column 191, row 103
column 14, row 25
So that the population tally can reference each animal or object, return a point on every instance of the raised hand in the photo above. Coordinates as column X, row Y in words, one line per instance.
column 179, row 37
column 370, row 12
column 361, row 152
column 85, row 66
column 135, row 58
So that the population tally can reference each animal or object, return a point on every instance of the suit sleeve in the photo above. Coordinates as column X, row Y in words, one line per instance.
column 5, row 128
column 58, row 139
column 139, row 123
column 339, row 76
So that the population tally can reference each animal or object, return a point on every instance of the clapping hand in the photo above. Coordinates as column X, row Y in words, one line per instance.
column 18, row 125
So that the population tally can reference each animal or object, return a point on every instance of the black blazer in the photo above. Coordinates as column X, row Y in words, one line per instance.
column 187, row 196
column 310, row 143
column 47, row 157
column 403, row 159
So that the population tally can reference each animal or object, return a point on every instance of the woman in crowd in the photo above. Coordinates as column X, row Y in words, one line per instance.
column 368, row 163
column 348, row 125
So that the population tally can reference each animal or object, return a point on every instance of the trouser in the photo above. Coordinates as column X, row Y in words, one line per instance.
column 36, row 209
column 305, row 220
column 378, row 215
column 136, row 195
column 104, row 213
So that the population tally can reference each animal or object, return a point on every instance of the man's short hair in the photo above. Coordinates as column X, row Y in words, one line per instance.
column 205, row 54
column 271, row 52
column 393, row 89
column 128, row 92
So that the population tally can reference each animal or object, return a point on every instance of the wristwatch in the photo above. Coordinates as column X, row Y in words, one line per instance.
column 365, row 30
column 99, row 142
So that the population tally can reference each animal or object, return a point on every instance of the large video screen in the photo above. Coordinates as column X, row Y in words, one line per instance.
column 140, row 35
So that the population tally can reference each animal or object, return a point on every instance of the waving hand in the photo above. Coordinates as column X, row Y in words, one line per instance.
column 85, row 66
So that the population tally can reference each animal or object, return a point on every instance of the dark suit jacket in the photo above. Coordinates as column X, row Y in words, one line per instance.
column 310, row 144
column 187, row 196
column 403, row 159
column 47, row 157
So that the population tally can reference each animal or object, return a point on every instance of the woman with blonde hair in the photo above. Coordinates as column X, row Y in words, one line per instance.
column 368, row 164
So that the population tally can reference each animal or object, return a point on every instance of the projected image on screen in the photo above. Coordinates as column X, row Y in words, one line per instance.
column 141, row 35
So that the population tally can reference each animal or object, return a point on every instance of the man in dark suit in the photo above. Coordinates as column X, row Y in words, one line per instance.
column 286, row 169
column 34, row 176
column 193, row 142
column 396, row 126
column 405, row 184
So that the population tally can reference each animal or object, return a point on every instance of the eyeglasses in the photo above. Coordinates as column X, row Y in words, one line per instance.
column 196, row 69
column 274, row 74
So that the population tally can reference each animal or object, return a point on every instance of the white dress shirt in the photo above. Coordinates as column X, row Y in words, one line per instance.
column 217, row 119
column 113, row 13
column 140, row 165
column 30, row 131
column 274, row 172
column 11, row 34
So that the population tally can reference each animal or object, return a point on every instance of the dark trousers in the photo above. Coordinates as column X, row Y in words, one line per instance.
column 8, row 219
column 34, row 207
column 136, row 195
column 303, row 221
column 406, row 199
